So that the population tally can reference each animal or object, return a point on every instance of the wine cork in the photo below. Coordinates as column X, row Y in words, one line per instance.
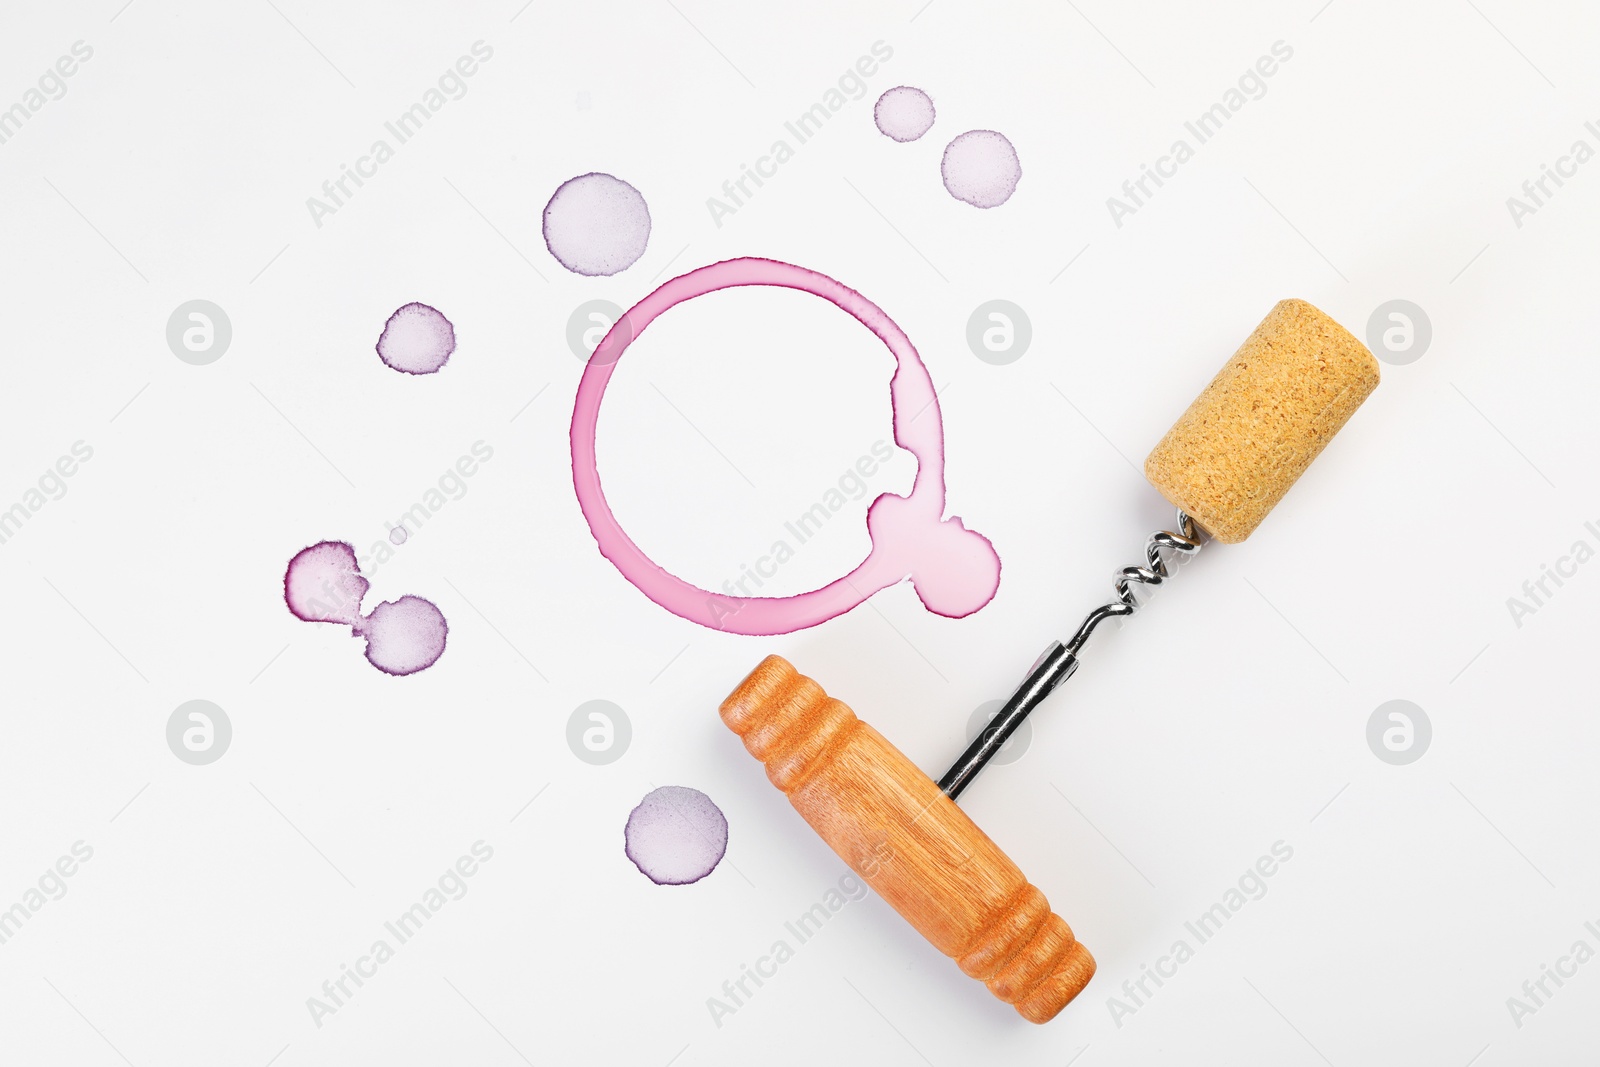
column 1267, row 414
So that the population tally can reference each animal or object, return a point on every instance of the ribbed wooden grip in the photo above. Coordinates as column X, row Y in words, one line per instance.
column 908, row 841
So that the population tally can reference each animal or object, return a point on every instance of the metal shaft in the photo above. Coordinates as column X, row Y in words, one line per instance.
column 1059, row 662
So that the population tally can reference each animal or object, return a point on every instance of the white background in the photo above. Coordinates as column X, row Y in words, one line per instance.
column 1231, row 716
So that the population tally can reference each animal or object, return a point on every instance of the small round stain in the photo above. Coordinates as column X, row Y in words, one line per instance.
column 676, row 835
column 417, row 339
column 398, row 535
column 596, row 225
column 404, row 636
column 903, row 113
column 981, row 168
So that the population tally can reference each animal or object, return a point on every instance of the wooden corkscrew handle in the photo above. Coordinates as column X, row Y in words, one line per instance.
column 908, row 841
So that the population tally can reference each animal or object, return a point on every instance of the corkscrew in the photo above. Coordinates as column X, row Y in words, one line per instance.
column 1226, row 462
column 1060, row 661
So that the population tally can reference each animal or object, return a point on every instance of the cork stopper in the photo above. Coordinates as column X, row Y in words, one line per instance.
column 1272, row 408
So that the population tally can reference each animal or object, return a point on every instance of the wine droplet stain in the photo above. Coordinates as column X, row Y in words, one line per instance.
column 903, row 113
column 676, row 835
column 417, row 339
column 981, row 168
column 323, row 583
column 404, row 636
column 596, row 225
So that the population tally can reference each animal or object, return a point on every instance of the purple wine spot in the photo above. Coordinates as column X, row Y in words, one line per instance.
column 981, row 168
column 903, row 113
column 676, row 835
column 417, row 339
column 596, row 225
column 323, row 583
column 404, row 636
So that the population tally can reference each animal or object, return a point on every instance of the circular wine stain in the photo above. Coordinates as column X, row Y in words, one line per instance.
column 981, row 168
column 903, row 113
column 676, row 835
column 596, row 225
column 417, row 339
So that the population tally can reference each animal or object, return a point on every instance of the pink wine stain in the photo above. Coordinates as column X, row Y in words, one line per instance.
column 324, row 584
column 903, row 113
column 417, row 339
column 596, row 225
column 981, row 168
column 676, row 835
column 954, row 570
